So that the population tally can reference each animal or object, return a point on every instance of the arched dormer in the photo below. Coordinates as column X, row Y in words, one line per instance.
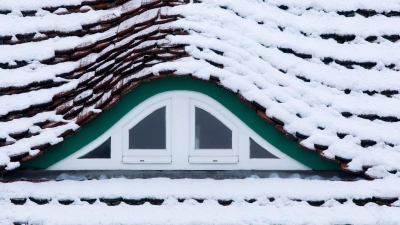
column 333, row 97
column 179, row 123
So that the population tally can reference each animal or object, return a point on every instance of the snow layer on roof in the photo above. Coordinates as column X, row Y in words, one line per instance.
column 33, row 5
column 245, row 40
column 321, row 75
column 335, row 6
column 48, row 22
column 251, row 188
column 247, row 201
column 192, row 213
column 33, row 72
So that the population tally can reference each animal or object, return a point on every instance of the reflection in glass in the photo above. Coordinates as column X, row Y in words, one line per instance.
column 210, row 133
column 149, row 133
column 258, row 152
column 101, row 152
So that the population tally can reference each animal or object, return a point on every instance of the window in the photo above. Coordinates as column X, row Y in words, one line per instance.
column 258, row 152
column 179, row 130
column 101, row 152
column 147, row 137
column 150, row 132
column 213, row 136
column 210, row 133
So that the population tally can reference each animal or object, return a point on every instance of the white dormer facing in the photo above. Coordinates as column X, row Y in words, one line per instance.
column 179, row 130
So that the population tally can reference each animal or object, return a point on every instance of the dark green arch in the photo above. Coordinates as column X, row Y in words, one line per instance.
column 108, row 118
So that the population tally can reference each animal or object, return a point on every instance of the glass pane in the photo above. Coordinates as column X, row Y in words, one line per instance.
column 101, row 152
column 258, row 152
column 150, row 133
column 210, row 133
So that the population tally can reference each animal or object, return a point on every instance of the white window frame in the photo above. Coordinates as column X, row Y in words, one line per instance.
column 178, row 155
column 211, row 155
column 148, row 155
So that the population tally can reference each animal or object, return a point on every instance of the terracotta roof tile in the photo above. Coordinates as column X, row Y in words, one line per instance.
column 310, row 81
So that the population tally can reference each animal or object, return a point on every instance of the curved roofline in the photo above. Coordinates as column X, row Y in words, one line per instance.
column 145, row 90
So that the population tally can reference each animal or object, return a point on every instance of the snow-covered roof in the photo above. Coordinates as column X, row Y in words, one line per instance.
column 325, row 73
column 204, row 201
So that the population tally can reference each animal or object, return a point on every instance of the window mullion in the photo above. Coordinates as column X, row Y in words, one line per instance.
column 180, row 129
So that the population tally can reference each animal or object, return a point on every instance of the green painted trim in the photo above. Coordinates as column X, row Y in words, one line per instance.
column 108, row 118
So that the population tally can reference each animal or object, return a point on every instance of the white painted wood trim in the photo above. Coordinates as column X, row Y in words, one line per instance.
column 215, row 111
column 179, row 146
column 146, row 159
column 148, row 109
column 213, row 160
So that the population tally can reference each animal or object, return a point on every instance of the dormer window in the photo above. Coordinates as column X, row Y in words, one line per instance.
column 147, row 137
column 258, row 152
column 210, row 133
column 179, row 130
column 213, row 137
column 101, row 152
column 150, row 133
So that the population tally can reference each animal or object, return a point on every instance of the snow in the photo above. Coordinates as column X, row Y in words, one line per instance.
column 49, row 135
column 252, row 69
column 250, row 188
column 208, row 212
column 28, row 51
column 131, row 22
column 276, row 202
column 245, row 38
column 25, row 75
column 20, row 101
column 105, row 65
column 191, row 212
column 329, row 6
column 61, row 10
column 132, row 37
column 48, row 22
column 83, row 95
column 131, row 6
column 33, row 5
